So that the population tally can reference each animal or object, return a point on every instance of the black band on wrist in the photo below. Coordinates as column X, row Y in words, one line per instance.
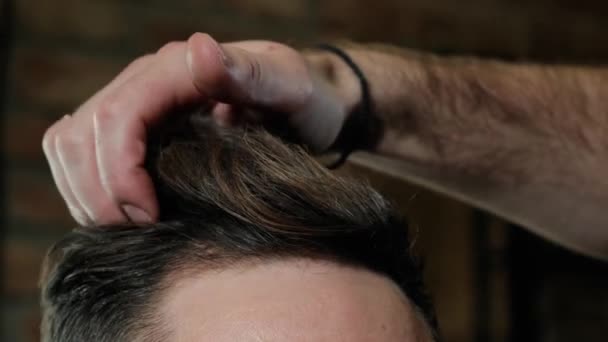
column 361, row 128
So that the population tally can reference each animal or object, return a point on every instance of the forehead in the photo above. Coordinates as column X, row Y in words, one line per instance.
column 289, row 300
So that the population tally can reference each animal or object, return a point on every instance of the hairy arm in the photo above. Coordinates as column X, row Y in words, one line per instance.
column 527, row 142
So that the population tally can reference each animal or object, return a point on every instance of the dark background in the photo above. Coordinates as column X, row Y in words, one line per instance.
column 492, row 282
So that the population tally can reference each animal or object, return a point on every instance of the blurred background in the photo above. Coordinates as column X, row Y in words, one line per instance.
column 491, row 281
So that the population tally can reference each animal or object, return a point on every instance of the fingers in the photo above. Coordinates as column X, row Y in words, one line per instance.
column 122, row 117
column 75, row 152
column 103, row 193
column 267, row 75
column 252, row 73
column 133, row 68
column 120, row 128
column 161, row 86
column 50, row 150
column 97, row 157
column 72, row 164
column 121, row 156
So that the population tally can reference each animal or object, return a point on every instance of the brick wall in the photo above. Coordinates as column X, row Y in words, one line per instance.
column 66, row 49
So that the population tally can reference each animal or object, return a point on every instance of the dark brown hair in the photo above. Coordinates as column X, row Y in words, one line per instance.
column 225, row 196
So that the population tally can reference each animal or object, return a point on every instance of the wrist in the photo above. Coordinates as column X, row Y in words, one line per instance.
column 360, row 129
column 335, row 74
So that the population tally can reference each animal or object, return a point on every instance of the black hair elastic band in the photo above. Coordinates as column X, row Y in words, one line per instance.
column 360, row 129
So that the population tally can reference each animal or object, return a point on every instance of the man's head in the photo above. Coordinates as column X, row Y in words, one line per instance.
column 256, row 242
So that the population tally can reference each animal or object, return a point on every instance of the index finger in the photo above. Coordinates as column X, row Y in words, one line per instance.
column 122, row 121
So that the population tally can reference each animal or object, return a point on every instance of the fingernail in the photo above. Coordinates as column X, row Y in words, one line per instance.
column 135, row 214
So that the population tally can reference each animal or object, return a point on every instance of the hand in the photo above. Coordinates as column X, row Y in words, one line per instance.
column 96, row 155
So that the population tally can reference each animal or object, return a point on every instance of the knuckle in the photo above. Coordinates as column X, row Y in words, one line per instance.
column 139, row 62
column 254, row 71
column 64, row 143
column 60, row 136
column 169, row 47
column 106, row 111
column 48, row 140
column 199, row 34
column 69, row 143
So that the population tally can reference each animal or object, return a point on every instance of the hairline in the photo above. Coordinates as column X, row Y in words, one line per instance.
column 191, row 270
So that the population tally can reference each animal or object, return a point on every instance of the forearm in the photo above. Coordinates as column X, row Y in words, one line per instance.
column 528, row 142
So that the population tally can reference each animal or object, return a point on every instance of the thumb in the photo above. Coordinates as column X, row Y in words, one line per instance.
column 252, row 73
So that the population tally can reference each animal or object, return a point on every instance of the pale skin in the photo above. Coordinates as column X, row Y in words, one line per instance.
column 527, row 142
column 294, row 299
